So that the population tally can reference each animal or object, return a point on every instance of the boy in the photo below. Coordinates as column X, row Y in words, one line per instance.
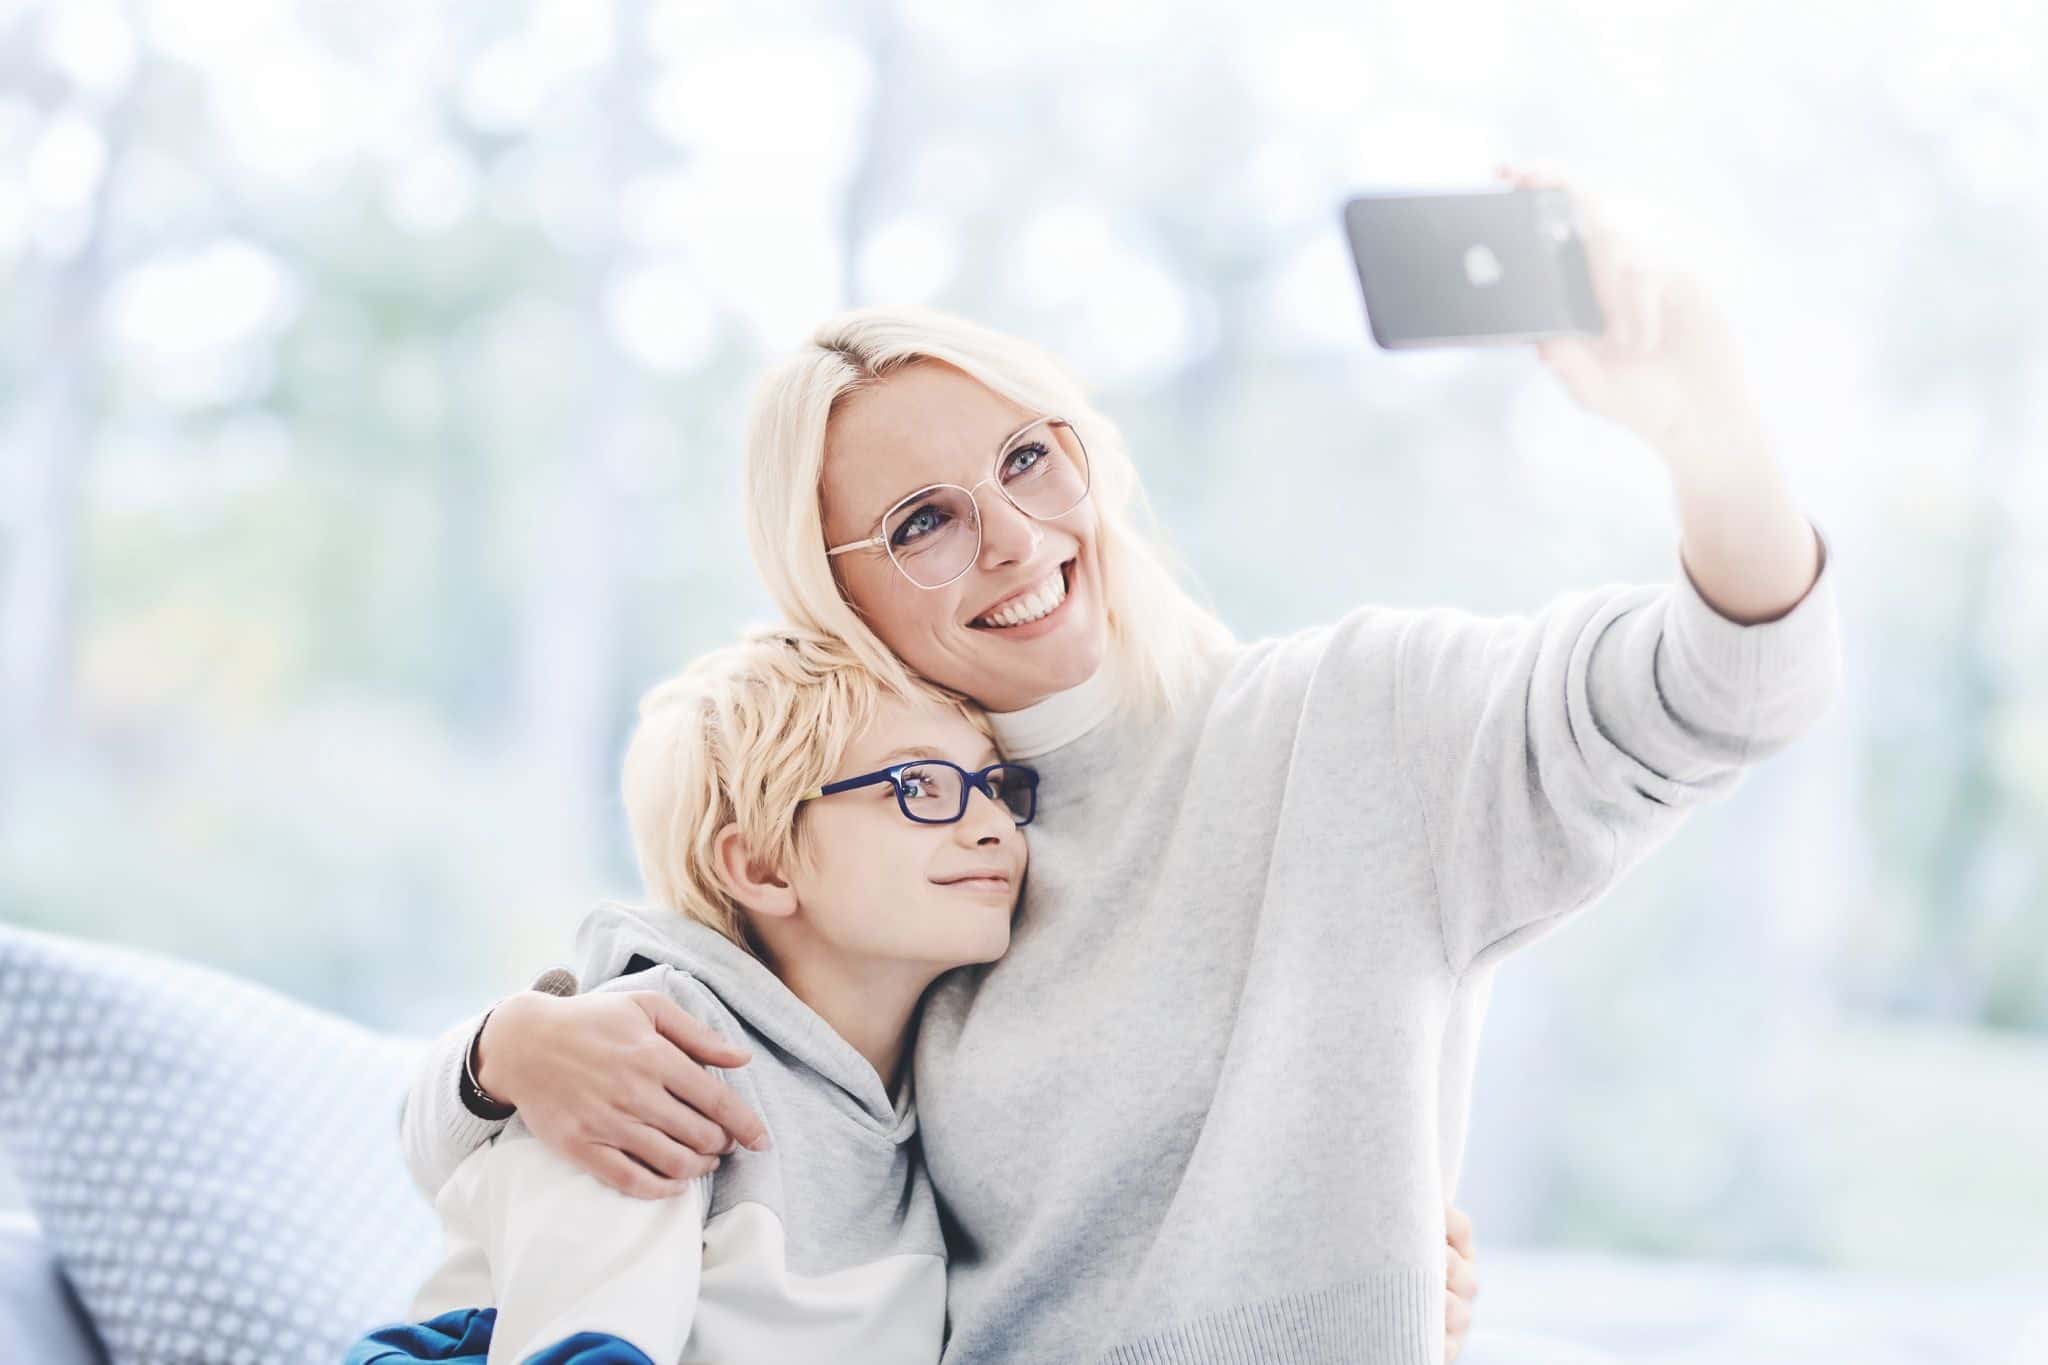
column 818, row 851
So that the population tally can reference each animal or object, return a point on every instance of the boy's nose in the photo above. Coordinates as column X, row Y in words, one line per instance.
column 987, row 820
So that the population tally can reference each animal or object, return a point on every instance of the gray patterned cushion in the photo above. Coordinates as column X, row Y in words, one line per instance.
column 216, row 1165
column 40, row 1317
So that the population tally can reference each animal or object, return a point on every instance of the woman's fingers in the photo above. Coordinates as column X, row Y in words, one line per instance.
column 1461, row 1281
column 622, row 1173
column 1620, row 280
column 1609, row 265
column 661, row 1154
column 1457, row 1323
column 1460, row 1277
column 712, row 1099
column 1458, row 1229
column 1463, row 1287
column 695, row 1037
column 1650, row 331
column 678, row 1057
column 1531, row 175
column 662, row 1108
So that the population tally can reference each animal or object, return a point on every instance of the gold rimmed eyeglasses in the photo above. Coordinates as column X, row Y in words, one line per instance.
column 934, row 535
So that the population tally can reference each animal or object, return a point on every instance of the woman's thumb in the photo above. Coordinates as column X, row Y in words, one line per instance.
column 1573, row 361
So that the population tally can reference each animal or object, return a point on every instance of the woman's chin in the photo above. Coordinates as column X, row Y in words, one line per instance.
column 1059, row 650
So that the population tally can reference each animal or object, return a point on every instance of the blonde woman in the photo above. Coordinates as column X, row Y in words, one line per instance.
column 1210, row 1105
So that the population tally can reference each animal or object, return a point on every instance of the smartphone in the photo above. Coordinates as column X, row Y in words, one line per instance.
column 1492, row 266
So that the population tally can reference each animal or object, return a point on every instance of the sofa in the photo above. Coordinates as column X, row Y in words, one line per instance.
column 213, row 1177
column 40, row 1317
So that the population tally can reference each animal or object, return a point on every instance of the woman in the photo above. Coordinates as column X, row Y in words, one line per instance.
column 1210, row 1105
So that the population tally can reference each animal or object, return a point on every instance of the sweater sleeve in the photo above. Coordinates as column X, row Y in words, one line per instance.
column 1550, row 753
column 436, row 1131
column 565, row 1262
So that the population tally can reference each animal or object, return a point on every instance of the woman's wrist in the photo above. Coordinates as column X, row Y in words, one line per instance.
column 494, row 1053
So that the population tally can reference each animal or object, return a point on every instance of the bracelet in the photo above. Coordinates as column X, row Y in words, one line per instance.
column 475, row 1098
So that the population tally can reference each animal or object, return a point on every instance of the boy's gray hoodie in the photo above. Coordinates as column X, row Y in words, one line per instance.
column 827, row 1246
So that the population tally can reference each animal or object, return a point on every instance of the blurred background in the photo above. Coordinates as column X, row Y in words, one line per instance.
column 369, row 428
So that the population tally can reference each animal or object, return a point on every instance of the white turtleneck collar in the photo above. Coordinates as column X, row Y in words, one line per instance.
column 1059, row 720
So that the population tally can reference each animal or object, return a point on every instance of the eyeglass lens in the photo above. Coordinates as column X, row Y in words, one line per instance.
column 936, row 793
column 934, row 534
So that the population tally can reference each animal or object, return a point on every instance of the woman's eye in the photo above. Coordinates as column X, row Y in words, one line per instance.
column 919, row 524
column 916, row 786
column 1023, row 459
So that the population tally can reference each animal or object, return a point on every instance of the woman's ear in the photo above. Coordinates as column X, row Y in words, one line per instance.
column 755, row 888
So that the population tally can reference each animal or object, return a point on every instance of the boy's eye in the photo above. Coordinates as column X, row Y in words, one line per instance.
column 918, row 784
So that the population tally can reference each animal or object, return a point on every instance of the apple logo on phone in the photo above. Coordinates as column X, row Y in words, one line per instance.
column 1482, row 267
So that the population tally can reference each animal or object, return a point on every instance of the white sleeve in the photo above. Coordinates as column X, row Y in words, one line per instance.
column 436, row 1132
column 567, row 1254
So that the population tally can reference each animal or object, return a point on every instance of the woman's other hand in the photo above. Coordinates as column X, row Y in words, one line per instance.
column 616, row 1083
column 1461, row 1281
column 1668, row 361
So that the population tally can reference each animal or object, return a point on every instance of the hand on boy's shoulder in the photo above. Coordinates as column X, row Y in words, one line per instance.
column 615, row 1081
column 680, row 987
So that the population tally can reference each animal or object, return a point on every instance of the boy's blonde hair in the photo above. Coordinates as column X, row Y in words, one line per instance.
column 737, row 738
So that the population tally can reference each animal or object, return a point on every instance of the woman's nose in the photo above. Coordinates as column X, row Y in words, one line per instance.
column 1007, row 535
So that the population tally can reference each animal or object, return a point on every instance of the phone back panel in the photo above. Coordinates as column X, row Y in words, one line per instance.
column 1494, row 266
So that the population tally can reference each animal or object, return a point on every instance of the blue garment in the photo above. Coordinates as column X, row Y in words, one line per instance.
column 463, row 1337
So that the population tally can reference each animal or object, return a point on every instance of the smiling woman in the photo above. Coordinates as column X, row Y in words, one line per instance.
column 958, row 401
column 1010, row 594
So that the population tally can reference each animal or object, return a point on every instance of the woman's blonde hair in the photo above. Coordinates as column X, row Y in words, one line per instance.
column 1159, row 635
column 737, row 738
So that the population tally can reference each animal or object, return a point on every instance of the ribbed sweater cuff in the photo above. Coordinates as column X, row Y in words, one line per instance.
column 460, row 1130
column 1776, row 674
column 1393, row 1317
column 1801, row 638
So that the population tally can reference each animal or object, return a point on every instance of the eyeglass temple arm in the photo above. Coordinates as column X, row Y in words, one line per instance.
column 834, row 788
column 852, row 546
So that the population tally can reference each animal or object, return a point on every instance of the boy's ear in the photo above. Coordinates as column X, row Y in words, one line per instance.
column 755, row 888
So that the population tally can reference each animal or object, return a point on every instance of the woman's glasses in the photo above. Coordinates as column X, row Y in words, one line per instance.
column 934, row 535
column 932, row 791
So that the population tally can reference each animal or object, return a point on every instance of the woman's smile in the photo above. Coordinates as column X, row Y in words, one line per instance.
column 1035, row 611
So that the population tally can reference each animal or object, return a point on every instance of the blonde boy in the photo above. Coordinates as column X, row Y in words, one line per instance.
column 818, row 850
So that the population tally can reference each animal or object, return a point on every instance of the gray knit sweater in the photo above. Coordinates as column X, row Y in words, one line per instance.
column 1207, row 1106
column 1210, row 1104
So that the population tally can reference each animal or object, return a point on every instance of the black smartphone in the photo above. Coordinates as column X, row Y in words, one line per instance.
column 1463, row 269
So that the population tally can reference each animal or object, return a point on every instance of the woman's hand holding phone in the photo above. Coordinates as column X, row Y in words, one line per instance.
column 1668, row 368
column 1668, row 361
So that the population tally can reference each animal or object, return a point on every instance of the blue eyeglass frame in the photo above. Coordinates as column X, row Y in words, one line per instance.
column 970, row 782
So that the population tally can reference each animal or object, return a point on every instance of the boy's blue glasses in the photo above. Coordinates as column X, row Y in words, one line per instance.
column 931, row 791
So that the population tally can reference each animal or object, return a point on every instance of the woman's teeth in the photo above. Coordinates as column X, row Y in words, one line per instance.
column 1025, row 608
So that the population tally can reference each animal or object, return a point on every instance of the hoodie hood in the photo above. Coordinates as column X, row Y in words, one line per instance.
column 612, row 935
